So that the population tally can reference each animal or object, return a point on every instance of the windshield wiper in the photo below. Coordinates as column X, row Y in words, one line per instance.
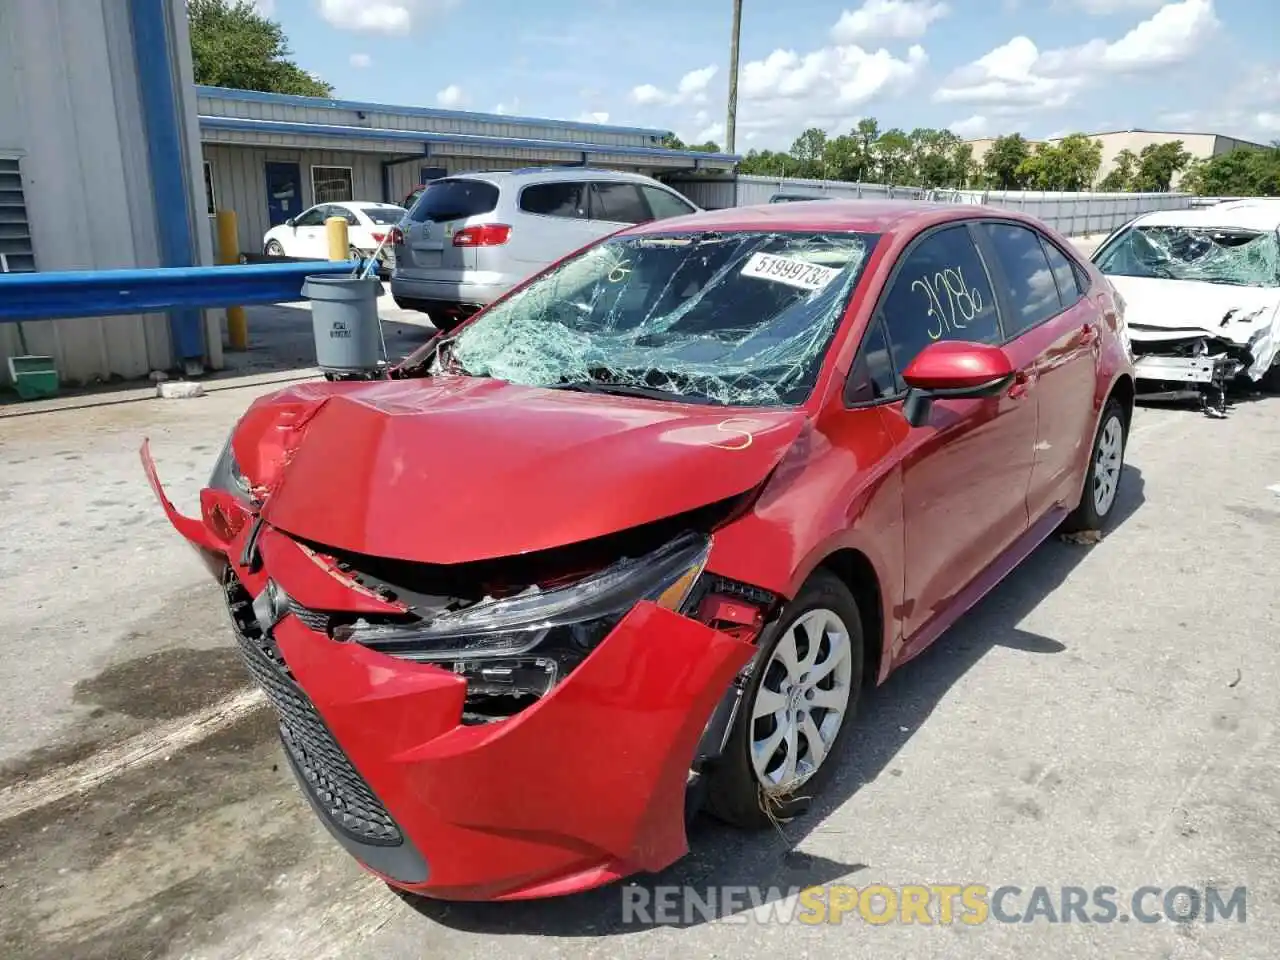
column 630, row 390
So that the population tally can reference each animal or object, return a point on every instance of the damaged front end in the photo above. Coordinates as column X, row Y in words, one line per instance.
column 1202, row 305
column 515, row 727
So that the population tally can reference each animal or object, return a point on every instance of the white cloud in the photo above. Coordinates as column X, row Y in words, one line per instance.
column 360, row 60
column 971, row 128
column 713, row 132
column 380, row 16
column 1018, row 72
column 1267, row 121
column 452, row 96
column 597, row 116
column 1104, row 8
column 692, row 88
column 265, row 7
column 888, row 20
column 507, row 108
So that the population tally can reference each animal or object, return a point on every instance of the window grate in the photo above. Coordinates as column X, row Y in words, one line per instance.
column 17, row 255
column 331, row 184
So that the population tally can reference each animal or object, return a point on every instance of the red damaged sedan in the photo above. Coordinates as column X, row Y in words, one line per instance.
column 629, row 542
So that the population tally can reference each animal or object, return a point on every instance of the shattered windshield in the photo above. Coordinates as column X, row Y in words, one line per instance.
column 1248, row 258
column 734, row 318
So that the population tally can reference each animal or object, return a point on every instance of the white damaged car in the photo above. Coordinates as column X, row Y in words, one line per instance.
column 1201, row 290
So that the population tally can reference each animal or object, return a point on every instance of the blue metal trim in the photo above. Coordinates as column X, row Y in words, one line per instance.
column 245, row 124
column 109, row 293
column 322, row 103
column 161, row 116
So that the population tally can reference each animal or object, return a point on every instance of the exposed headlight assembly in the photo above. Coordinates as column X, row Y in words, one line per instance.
column 226, row 474
column 546, row 631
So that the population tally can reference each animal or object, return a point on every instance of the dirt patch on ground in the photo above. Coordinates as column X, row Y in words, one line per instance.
column 166, row 684
column 145, row 865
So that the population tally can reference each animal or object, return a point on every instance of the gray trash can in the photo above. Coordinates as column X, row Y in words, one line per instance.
column 344, row 318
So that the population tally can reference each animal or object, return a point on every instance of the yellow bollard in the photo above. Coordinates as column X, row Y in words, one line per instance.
column 336, row 229
column 229, row 253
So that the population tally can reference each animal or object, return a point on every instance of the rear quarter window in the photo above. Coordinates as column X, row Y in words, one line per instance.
column 454, row 200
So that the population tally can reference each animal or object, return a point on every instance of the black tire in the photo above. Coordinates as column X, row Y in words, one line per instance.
column 1270, row 382
column 273, row 249
column 1093, row 511
column 734, row 790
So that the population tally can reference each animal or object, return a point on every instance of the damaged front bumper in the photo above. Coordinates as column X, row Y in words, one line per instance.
column 584, row 786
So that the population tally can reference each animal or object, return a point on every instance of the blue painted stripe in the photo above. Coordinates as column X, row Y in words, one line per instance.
column 108, row 293
column 322, row 103
column 153, row 53
column 420, row 136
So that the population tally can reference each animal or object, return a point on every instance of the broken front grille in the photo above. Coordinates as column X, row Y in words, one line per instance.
column 342, row 794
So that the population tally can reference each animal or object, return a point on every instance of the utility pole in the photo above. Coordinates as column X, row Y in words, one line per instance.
column 731, row 122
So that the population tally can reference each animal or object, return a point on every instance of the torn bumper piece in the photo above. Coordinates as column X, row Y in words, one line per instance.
column 583, row 787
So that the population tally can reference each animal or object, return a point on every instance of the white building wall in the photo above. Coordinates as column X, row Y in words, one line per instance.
column 70, row 112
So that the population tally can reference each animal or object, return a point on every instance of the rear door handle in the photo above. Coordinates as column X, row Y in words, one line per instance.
column 1088, row 333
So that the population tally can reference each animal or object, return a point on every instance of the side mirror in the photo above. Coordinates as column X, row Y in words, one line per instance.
column 289, row 222
column 951, row 369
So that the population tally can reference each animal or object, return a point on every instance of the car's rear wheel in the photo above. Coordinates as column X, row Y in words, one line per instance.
column 799, row 702
column 1106, row 469
column 273, row 249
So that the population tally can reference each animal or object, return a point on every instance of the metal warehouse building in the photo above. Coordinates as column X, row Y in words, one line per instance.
column 268, row 157
column 111, row 158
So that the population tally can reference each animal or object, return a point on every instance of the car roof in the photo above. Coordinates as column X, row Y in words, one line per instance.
column 549, row 174
column 849, row 216
column 1261, row 216
column 366, row 204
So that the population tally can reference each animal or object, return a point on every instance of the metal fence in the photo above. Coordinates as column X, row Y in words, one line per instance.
column 1072, row 214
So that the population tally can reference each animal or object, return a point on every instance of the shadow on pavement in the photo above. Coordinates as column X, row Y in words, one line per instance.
column 769, row 861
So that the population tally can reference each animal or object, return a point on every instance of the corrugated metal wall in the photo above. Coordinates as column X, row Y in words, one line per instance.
column 70, row 114
column 1072, row 214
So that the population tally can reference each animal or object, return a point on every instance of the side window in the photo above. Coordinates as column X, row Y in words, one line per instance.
column 312, row 218
column 344, row 212
column 665, row 204
column 940, row 292
column 872, row 377
column 1032, row 292
column 618, row 202
column 1064, row 272
column 555, row 200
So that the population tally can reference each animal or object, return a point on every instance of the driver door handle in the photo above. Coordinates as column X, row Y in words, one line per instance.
column 1088, row 333
column 1023, row 381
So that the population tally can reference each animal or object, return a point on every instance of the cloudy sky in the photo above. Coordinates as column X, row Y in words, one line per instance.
column 979, row 67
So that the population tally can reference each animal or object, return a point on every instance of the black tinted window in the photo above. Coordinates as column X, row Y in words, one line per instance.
column 664, row 204
column 872, row 377
column 384, row 216
column 312, row 218
column 1033, row 295
column 1064, row 272
column 555, row 200
column 619, row 203
column 454, row 199
column 941, row 292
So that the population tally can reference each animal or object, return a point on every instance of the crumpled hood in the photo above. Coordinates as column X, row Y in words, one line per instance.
column 1158, row 309
column 456, row 469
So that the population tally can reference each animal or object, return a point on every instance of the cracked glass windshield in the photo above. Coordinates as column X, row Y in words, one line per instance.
column 733, row 318
column 1249, row 258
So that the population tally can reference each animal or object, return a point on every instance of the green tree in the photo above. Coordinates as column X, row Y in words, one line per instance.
column 1157, row 165
column 1120, row 177
column 1002, row 160
column 232, row 45
column 963, row 167
column 767, row 163
column 893, row 156
column 840, row 158
column 808, row 151
column 866, row 133
column 1239, row 173
column 1079, row 158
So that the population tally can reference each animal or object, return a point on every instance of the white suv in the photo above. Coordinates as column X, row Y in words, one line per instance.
column 471, row 237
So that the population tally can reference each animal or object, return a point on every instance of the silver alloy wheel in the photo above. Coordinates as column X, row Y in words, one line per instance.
column 802, row 699
column 1107, row 464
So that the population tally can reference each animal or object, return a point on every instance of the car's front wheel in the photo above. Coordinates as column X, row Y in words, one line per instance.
column 800, row 699
column 274, row 249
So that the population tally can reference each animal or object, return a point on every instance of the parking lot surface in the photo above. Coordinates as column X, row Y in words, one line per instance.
column 1107, row 717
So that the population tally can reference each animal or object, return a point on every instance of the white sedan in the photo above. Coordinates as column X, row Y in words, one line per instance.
column 305, row 235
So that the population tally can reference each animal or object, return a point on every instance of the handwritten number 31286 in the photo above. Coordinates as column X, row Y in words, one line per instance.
column 962, row 302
